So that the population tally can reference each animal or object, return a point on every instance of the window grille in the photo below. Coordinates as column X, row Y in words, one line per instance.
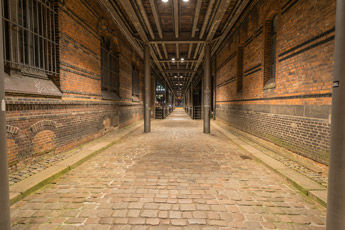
column 110, row 66
column 135, row 83
column 30, row 37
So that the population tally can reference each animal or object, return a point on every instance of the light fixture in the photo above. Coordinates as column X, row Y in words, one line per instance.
column 164, row 0
column 173, row 59
column 186, row 0
column 175, row 76
column 182, row 59
column 181, row 76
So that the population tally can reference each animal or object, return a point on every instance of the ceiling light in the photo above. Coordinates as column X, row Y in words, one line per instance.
column 186, row 0
column 182, row 59
column 175, row 76
column 181, row 76
column 167, row 0
column 173, row 59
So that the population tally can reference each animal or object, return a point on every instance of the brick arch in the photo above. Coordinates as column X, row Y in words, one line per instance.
column 107, row 122
column 12, row 145
column 43, row 125
column 12, row 131
column 273, row 10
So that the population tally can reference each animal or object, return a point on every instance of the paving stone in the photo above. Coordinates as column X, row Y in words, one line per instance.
column 174, row 178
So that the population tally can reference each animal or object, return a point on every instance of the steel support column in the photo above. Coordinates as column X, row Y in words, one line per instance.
column 5, row 221
column 207, row 88
column 336, row 184
column 147, row 85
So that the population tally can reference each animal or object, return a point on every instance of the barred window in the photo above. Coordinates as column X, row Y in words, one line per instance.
column 135, row 83
column 30, row 40
column 270, row 52
column 273, row 47
column 110, row 66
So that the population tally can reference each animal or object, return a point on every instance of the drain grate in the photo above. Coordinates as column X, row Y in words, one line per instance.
column 245, row 157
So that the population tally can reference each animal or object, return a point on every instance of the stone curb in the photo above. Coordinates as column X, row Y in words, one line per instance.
column 307, row 186
column 31, row 184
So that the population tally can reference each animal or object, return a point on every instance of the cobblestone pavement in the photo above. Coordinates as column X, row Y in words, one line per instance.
column 174, row 178
column 36, row 167
column 315, row 176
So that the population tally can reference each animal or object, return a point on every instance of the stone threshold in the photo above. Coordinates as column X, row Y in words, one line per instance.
column 22, row 189
column 306, row 185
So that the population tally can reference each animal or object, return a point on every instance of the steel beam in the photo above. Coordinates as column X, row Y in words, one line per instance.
column 196, row 17
column 177, row 41
column 207, row 17
column 147, row 86
column 186, row 61
column 207, row 88
column 5, row 220
column 118, row 21
column 234, row 19
column 136, row 22
column 223, row 6
column 178, row 71
column 153, row 5
column 336, row 181
column 176, row 21
column 146, row 19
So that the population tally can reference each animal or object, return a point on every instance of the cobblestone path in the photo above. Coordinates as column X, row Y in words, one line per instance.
column 174, row 178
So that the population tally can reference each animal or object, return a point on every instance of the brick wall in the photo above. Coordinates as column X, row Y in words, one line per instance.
column 38, row 125
column 292, row 110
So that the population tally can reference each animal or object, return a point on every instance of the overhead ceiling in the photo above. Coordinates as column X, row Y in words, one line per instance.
column 176, row 29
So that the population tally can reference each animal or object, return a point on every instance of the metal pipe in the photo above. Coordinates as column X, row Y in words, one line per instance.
column 147, row 85
column 5, row 220
column 207, row 88
column 336, row 181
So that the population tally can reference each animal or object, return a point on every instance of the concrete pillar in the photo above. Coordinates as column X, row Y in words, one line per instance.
column 147, row 102
column 207, row 89
column 5, row 221
column 336, row 181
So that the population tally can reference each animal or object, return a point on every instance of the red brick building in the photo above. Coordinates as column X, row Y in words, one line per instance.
column 274, row 74
column 71, row 76
column 74, row 70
